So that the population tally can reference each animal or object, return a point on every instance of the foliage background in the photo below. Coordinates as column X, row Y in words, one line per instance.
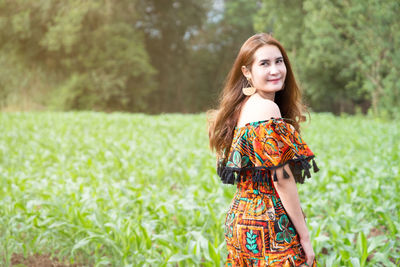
column 90, row 188
column 172, row 56
column 138, row 190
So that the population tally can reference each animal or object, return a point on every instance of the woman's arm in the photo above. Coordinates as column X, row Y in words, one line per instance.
column 289, row 196
column 287, row 191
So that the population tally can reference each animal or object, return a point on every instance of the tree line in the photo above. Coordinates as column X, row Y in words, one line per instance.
column 173, row 55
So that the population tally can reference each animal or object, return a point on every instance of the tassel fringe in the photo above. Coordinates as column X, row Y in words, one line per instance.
column 285, row 174
column 315, row 167
column 300, row 168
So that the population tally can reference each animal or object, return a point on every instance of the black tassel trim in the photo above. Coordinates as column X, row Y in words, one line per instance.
column 315, row 167
column 307, row 173
column 227, row 176
column 255, row 177
column 305, row 165
column 231, row 178
column 285, row 174
column 300, row 168
column 260, row 176
column 297, row 172
column 238, row 177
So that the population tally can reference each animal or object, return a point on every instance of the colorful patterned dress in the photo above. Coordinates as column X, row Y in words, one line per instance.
column 258, row 231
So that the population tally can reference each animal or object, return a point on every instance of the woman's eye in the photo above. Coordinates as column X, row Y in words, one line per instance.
column 279, row 61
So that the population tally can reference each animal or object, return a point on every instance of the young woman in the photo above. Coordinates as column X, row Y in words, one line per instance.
column 255, row 133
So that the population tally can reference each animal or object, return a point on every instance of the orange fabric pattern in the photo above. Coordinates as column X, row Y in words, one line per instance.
column 258, row 231
column 266, row 145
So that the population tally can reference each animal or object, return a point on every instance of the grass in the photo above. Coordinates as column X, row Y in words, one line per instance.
column 137, row 190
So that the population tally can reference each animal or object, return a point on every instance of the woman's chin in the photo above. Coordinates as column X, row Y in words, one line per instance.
column 271, row 89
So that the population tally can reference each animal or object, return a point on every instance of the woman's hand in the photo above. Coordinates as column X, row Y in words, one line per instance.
column 308, row 250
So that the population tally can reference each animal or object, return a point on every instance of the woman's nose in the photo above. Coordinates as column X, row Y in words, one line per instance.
column 273, row 69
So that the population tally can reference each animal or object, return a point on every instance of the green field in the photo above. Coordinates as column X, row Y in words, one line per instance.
column 137, row 190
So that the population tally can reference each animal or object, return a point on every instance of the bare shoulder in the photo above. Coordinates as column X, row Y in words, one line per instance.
column 257, row 108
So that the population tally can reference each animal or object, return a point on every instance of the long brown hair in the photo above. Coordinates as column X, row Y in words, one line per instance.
column 222, row 122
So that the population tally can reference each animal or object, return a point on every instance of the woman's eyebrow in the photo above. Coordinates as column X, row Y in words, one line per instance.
column 267, row 59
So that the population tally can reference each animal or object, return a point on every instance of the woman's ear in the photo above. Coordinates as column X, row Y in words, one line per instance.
column 246, row 72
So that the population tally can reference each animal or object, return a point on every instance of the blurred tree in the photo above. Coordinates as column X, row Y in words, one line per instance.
column 193, row 44
column 371, row 30
column 316, row 67
column 172, row 56
column 88, row 49
column 344, row 51
column 169, row 27
column 215, row 48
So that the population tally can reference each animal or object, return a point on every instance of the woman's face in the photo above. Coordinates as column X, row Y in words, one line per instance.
column 268, row 71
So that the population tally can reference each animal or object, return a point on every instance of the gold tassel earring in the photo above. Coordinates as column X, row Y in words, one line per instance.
column 249, row 90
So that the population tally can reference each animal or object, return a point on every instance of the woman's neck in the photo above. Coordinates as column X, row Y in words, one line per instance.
column 266, row 95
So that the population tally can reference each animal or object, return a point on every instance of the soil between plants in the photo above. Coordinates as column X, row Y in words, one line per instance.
column 38, row 260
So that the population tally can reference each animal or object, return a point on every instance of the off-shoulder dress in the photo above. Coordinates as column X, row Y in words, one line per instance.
column 258, row 231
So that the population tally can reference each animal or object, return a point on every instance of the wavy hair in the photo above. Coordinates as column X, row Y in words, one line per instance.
column 222, row 121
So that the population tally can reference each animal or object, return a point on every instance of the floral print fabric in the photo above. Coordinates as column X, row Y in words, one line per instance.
column 257, row 229
column 266, row 145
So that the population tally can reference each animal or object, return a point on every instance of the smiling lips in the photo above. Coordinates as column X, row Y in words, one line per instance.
column 275, row 80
